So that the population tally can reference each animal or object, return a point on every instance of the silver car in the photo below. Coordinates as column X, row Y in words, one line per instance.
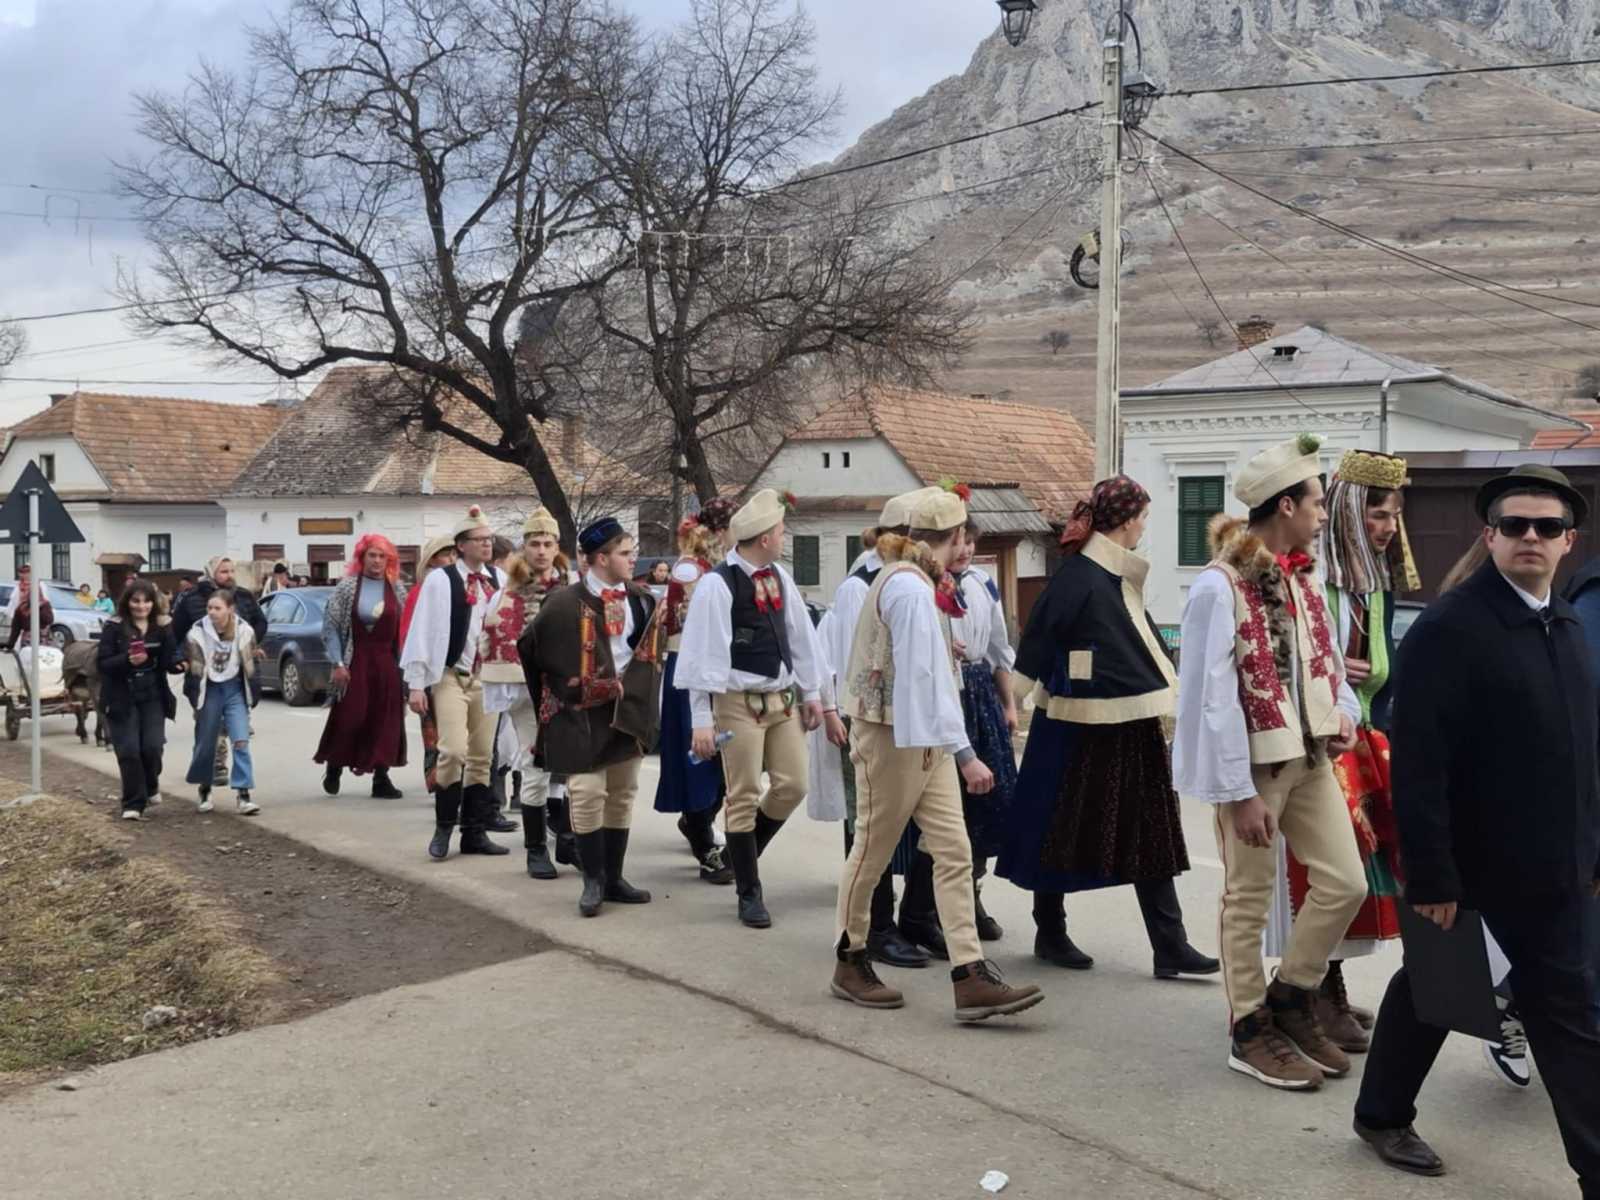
column 74, row 621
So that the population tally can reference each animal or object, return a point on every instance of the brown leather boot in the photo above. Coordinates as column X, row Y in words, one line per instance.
column 855, row 980
column 1337, row 1017
column 1294, row 1011
column 981, row 993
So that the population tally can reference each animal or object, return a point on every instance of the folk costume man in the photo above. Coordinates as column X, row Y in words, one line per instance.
column 1365, row 560
column 441, row 655
column 691, row 789
column 1095, row 805
column 887, row 942
column 909, row 741
column 533, row 575
column 592, row 656
column 753, row 668
column 1263, row 708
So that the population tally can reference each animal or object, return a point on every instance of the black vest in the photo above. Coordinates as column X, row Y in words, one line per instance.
column 460, row 612
column 867, row 577
column 760, row 639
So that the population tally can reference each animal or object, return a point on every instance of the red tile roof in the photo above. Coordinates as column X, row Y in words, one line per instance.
column 1044, row 451
column 157, row 448
column 1571, row 439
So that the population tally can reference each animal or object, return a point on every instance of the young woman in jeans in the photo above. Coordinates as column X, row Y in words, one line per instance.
column 137, row 648
column 221, row 652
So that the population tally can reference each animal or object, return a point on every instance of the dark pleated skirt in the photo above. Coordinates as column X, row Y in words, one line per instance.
column 987, row 815
column 1094, row 808
column 684, row 786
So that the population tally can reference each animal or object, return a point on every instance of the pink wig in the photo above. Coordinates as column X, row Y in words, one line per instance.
column 375, row 541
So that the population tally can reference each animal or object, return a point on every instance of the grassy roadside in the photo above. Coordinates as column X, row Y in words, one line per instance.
column 90, row 942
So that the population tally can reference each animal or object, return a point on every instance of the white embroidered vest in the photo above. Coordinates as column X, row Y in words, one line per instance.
column 869, row 680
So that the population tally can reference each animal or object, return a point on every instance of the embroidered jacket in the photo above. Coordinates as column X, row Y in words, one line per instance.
column 513, row 611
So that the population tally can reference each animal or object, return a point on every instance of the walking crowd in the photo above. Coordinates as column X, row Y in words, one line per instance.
column 1354, row 784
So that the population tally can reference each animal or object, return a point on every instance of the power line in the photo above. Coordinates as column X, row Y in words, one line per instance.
column 1383, row 142
column 140, row 382
column 41, row 187
column 1511, row 195
column 1226, row 320
column 1455, row 274
column 1012, row 232
column 1440, row 74
column 64, row 216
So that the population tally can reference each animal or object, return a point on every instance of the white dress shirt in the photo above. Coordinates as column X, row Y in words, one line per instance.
column 1211, row 752
column 1527, row 597
column 621, row 652
column 847, row 601
column 428, row 639
column 705, row 654
column 927, row 701
column 982, row 631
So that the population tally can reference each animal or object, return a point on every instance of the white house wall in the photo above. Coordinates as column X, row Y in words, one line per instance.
column 1171, row 437
column 74, row 471
column 874, row 470
column 197, row 532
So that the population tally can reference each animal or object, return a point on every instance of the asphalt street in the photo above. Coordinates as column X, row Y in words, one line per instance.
column 666, row 1051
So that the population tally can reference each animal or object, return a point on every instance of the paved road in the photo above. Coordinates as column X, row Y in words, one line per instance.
column 714, row 1063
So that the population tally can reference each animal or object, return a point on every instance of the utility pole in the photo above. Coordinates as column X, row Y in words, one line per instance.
column 1107, row 406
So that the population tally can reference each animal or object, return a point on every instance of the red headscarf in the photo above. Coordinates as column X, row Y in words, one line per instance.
column 1113, row 503
column 375, row 541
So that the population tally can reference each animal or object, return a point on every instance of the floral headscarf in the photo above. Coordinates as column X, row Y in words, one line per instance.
column 1112, row 504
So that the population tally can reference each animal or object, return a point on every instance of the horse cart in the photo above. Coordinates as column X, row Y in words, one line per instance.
column 68, row 686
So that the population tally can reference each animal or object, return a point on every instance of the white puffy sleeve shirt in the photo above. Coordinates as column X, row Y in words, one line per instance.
column 1211, row 752
column 982, row 631
column 927, row 703
column 705, row 654
column 428, row 638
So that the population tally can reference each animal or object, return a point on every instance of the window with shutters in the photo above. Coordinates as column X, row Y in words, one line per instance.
column 20, row 554
column 159, row 557
column 807, row 560
column 852, row 550
column 61, row 562
column 1199, row 499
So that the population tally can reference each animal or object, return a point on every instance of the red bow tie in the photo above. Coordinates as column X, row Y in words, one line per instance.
column 769, row 592
column 477, row 587
column 1292, row 564
column 616, row 618
column 610, row 595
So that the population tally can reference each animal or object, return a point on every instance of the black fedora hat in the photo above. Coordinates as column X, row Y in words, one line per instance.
column 1534, row 476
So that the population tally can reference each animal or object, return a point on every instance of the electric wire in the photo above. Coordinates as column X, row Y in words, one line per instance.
column 1444, row 73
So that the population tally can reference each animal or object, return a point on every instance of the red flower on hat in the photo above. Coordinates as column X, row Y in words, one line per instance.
column 790, row 501
column 961, row 490
column 688, row 524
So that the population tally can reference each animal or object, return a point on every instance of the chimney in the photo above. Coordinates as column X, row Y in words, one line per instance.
column 571, row 434
column 57, row 397
column 1254, row 330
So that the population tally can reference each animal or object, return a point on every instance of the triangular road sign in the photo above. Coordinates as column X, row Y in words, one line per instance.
column 55, row 526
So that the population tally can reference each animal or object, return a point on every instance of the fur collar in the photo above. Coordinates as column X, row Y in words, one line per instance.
column 1236, row 546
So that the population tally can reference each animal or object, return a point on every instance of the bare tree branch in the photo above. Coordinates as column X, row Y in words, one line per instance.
column 13, row 341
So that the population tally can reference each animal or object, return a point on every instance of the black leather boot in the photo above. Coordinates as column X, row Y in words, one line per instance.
column 439, row 847
column 383, row 787
column 747, row 880
column 558, row 817
column 476, row 804
column 330, row 779
column 1169, row 941
column 533, row 840
column 493, row 801
column 919, row 914
column 696, row 830
column 592, row 859
column 619, row 889
column 766, row 830
column 988, row 928
column 885, row 943
column 1050, row 941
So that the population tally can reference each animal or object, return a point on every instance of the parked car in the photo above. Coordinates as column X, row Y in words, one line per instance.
column 75, row 621
column 1405, row 614
column 295, row 664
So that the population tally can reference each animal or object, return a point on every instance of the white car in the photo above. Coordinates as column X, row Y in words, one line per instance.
column 74, row 621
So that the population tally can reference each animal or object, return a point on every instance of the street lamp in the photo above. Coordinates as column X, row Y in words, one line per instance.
column 1015, row 17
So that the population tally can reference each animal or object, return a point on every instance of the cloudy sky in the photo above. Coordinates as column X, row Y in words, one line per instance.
column 69, row 67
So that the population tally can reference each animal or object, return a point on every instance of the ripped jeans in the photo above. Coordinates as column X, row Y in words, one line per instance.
column 225, row 707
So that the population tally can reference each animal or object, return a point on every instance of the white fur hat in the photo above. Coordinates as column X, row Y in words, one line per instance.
column 1277, row 468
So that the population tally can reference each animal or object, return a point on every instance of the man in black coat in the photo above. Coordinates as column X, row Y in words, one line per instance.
column 190, row 608
column 1496, row 792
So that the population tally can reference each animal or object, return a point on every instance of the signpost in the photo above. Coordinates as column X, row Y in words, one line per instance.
column 34, row 515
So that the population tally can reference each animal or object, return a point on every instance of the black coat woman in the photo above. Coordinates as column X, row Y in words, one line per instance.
column 137, row 649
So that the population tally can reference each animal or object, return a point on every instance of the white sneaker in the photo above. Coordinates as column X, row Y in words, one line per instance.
column 155, row 798
column 247, row 806
column 132, row 814
column 205, row 805
column 1509, row 1056
column 718, row 838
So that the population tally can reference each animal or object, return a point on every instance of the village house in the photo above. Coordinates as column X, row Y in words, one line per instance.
column 1186, row 437
column 1027, row 466
column 341, row 466
column 142, row 476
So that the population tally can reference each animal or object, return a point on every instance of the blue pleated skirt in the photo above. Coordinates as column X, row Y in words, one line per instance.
column 1045, row 762
column 987, row 815
column 684, row 786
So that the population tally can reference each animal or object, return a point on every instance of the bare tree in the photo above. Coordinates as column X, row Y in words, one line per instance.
column 1588, row 385
column 746, row 280
column 1058, row 340
column 1210, row 330
column 13, row 341
column 391, row 181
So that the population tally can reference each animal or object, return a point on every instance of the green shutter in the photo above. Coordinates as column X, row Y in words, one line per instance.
column 807, row 555
column 1200, row 498
column 852, row 549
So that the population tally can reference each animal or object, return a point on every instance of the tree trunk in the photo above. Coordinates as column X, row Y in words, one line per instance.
column 699, row 469
column 551, row 494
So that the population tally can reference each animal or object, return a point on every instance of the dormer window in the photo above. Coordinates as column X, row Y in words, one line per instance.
column 1285, row 352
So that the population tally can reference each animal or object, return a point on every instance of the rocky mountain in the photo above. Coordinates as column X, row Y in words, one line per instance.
column 1496, row 174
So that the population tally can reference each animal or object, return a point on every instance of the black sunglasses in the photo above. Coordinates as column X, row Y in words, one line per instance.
column 1549, row 528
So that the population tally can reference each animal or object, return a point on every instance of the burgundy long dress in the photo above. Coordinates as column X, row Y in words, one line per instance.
column 366, row 727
